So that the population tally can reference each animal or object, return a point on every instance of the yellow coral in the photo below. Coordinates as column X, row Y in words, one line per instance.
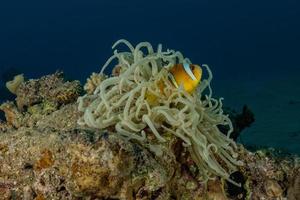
column 92, row 82
column 14, row 84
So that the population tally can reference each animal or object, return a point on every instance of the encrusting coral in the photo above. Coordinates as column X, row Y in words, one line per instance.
column 142, row 105
column 52, row 88
column 38, row 97
column 13, row 85
column 92, row 82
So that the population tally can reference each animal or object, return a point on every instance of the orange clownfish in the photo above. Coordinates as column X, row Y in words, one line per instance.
column 187, row 75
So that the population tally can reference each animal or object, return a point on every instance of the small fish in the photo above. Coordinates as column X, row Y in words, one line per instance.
column 187, row 75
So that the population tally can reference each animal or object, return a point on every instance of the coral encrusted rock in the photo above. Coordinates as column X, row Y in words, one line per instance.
column 45, row 154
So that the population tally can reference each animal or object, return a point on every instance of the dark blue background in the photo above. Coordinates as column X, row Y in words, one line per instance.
column 252, row 38
column 245, row 41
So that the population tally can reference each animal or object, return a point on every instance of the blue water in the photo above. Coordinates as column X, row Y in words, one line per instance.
column 251, row 46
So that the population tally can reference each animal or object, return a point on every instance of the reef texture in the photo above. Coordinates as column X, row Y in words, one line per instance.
column 44, row 154
column 51, row 89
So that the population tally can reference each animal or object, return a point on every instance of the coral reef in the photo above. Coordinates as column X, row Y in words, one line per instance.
column 39, row 98
column 56, row 159
column 51, row 89
column 5, row 76
column 13, row 85
column 293, row 192
column 46, row 154
column 92, row 82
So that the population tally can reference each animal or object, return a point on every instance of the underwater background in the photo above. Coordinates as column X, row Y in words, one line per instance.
column 252, row 47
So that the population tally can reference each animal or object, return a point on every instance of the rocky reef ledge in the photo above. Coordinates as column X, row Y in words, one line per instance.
column 44, row 154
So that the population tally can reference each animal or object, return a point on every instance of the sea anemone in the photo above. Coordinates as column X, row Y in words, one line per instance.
column 144, row 106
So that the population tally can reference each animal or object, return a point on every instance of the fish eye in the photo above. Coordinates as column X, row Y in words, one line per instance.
column 164, row 62
column 192, row 67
